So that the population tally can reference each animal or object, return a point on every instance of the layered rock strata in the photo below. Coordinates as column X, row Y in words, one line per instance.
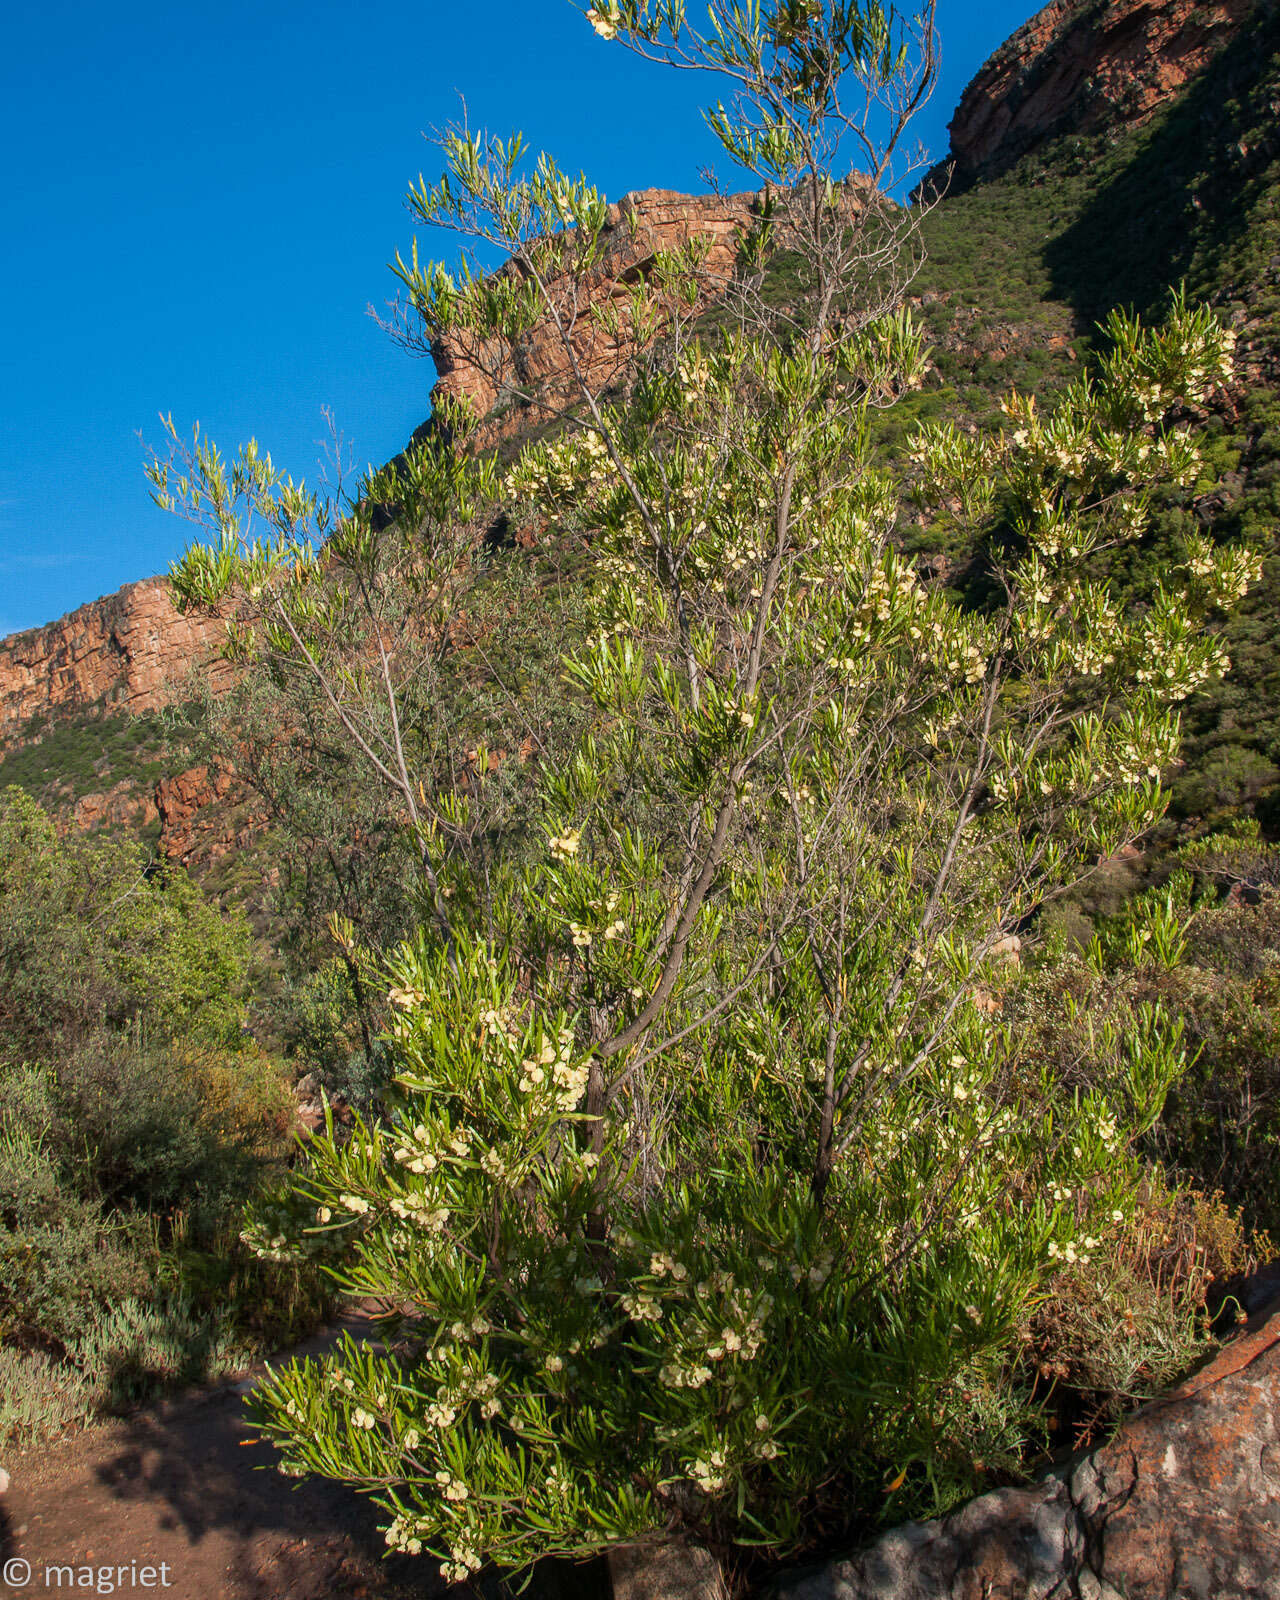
column 131, row 651
column 1076, row 68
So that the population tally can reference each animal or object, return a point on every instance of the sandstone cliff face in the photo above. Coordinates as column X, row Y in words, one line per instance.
column 203, row 816
column 1080, row 67
column 131, row 650
column 639, row 226
column 123, row 805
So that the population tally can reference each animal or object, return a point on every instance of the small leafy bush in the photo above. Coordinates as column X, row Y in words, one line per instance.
column 1124, row 1325
column 93, row 937
column 136, row 1120
column 136, row 1348
column 1203, row 948
column 40, row 1398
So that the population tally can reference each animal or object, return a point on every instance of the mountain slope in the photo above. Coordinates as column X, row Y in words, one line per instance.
column 1106, row 152
column 1022, row 266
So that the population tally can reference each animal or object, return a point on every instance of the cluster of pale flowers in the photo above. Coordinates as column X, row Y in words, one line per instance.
column 882, row 595
column 1209, row 358
column 565, row 846
column 561, row 470
column 417, row 1208
column 694, row 377
column 583, row 933
column 727, row 1324
column 405, row 1534
column 1227, row 574
column 606, row 20
column 1071, row 1252
column 1183, row 666
column 554, row 1067
column 268, row 1246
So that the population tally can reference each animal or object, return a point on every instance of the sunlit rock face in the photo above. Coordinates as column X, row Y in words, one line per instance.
column 1077, row 68
column 130, row 651
column 640, row 227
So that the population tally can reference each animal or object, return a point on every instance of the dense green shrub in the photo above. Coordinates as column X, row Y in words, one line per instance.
column 63, row 1255
column 1111, row 1332
column 40, row 1397
column 93, row 937
column 136, row 1120
column 1204, row 947
column 59, row 759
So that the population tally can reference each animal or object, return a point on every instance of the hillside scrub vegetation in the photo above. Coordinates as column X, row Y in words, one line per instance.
column 136, row 1120
column 736, row 1013
column 1018, row 272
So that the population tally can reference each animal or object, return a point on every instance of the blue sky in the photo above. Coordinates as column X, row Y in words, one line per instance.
column 200, row 204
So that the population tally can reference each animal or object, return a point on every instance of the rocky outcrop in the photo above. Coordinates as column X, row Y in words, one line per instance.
column 1183, row 1504
column 672, row 1570
column 495, row 377
column 123, row 805
column 1075, row 68
column 130, row 651
column 203, row 816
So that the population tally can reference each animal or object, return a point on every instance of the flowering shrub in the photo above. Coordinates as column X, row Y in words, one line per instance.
column 713, row 1191
column 722, row 1352
column 1117, row 1329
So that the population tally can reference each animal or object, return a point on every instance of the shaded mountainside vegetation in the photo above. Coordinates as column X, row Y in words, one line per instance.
column 137, row 1116
column 1021, row 269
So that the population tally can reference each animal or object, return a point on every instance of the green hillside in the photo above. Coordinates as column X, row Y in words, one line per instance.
column 1020, row 270
column 59, row 760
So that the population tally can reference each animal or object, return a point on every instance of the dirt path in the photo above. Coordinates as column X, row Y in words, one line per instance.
column 171, row 1501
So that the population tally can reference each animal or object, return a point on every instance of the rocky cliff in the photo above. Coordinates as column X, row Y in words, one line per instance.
column 1076, row 68
column 1073, row 66
column 495, row 378
column 128, row 652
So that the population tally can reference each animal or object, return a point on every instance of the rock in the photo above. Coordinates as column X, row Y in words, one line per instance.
column 4, row 1481
column 672, row 1570
column 1076, row 68
column 202, row 816
column 639, row 226
column 123, row 805
column 308, row 1102
column 1183, row 1504
column 131, row 651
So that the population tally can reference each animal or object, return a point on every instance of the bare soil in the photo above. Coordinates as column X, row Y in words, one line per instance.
column 189, row 1484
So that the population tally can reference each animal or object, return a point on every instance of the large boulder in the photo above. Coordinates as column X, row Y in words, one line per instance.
column 1183, row 1504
